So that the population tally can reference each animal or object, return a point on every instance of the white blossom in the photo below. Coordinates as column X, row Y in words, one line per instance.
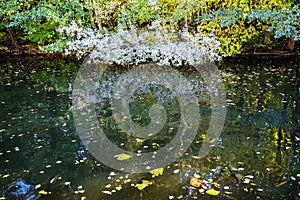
column 133, row 46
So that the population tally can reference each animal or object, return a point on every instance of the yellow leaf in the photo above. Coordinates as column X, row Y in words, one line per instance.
column 281, row 184
column 52, row 180
column 44, row 192
column 6, row 175
column 195, row 182
column 157, row 172
column 212, row 192
column 122, row 156
column 118, row 188
column 143, row 185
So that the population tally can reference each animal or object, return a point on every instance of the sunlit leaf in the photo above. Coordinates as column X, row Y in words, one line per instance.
column 52, row 180
column 118, row 188
column 6, row 175
column 67, row 183
column 212, row 192
column 195, row 182
column 247, row 180
column 106, row 192
column 157, row 172
column 122, row 156
column 44, row 192
column 280, row 184
column 37, row 186
column 143, row 185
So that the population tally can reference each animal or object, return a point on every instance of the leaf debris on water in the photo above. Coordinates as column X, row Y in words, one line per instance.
column 6, row 175
column 43, row 192
column 212, row 192
column 118, row 188
column 67, row 183
column 157, row 172
column 143, row 185
column 106, row 192
column 122, row 156
column 247, row 180
column 37, row 186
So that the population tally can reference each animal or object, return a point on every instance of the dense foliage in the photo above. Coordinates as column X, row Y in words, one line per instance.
column 238, row 25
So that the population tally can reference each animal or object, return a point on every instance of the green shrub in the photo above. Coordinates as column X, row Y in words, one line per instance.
column 240, row 25
column 256, row 29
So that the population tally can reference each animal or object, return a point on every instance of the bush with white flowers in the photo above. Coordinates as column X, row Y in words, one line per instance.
column 155, row 44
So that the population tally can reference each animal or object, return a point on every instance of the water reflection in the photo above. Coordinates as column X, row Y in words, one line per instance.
column 257, row 155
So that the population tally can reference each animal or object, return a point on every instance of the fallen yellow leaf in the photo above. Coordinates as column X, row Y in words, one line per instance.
column 44, row 192
column 6, row 175
column 119, row 188
column 157, row 172
column 122, row 156
column 212, row 192
column 143, row 185
column 281, row 184
column 195, row 182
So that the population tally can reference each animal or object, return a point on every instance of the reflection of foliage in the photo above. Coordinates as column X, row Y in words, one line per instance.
column 250, row 162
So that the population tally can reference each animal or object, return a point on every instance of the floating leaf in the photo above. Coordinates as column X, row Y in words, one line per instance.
column 247, row 180
column 118, row 188
column 6, row 175
column 281, row 184
column 238, row 176
column 143, row 185
column 106, row 192
column 157, row 172
column 44, row 192
column 122, row 156
column 67, row 183
column 212, row 192
column 195, row 182
column 37, row 186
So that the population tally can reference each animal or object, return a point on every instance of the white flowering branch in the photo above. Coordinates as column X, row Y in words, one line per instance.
column 155, row 44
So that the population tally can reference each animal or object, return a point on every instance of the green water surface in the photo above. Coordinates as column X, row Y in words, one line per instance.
column 256, row 156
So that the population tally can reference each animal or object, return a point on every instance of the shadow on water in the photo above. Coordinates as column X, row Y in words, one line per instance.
column 256, row 157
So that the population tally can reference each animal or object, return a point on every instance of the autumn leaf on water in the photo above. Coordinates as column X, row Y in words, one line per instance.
column 212, row 192
column 122, row 156
column 157, row 172
column 118, row 188
column 143, row 185
column 195, row 182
